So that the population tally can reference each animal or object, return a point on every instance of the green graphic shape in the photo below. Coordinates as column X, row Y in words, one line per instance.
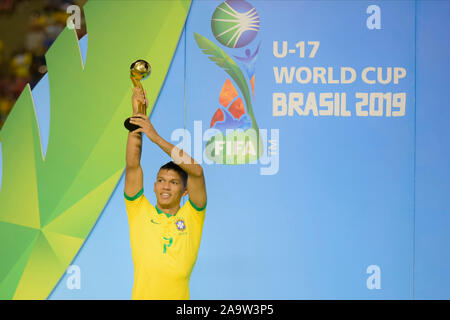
column 49, row 206
column 237, row 146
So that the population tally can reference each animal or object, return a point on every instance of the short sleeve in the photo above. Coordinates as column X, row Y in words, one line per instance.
column 134, row 203
column 197, row 214
column 198, row 209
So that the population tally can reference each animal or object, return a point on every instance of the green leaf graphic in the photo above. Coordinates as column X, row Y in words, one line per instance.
column 248, row 138
column 49, row 206
column 223, row 60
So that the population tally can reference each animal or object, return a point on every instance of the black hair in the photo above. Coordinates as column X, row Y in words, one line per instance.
column 173, row 166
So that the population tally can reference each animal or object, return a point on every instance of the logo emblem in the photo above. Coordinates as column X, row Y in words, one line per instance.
column 235, row 24
column 180, row 225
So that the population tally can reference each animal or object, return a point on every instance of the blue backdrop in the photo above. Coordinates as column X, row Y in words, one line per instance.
column 348, row 193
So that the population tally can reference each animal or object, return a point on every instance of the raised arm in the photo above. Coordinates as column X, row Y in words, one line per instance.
column 196, row 181
column 133, row 171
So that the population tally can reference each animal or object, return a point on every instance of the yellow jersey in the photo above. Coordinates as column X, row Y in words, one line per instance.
column 164, row 248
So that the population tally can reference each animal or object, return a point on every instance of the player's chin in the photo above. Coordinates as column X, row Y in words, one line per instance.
column 166, row 200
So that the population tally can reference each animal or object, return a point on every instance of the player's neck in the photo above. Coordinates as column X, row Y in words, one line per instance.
column 172, row 210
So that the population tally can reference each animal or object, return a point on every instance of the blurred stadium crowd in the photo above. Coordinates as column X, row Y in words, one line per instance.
column 22, row 54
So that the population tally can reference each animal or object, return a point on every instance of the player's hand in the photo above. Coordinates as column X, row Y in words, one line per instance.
column 145, row 125
column 139, row 96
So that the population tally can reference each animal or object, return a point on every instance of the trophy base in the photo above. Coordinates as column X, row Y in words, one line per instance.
column 130, row 126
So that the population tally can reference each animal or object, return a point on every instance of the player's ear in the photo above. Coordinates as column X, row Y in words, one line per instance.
column 185, row 192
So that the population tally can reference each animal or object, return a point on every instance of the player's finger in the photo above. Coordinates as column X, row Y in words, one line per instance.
column 137, row 121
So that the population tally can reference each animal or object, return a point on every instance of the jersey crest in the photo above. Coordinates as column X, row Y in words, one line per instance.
column 181, row 226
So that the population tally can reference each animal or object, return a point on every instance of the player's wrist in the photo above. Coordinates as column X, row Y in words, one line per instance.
column 154, row 137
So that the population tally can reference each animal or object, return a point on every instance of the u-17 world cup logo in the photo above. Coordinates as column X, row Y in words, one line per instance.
column 235, row 24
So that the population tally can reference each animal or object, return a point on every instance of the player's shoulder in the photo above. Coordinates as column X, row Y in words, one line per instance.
column 137, row 200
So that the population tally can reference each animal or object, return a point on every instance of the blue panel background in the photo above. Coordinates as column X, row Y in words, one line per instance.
column 343, row 198
column 432, row 254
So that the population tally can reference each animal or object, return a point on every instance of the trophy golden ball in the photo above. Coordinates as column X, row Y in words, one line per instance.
column 140, row 69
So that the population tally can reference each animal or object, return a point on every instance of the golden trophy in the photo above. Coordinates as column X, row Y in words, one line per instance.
column 139, row 70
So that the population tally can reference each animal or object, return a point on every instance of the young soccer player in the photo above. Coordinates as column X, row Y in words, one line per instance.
column 165, row 238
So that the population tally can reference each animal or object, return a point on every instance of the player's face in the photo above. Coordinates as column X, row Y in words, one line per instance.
column 169, row 188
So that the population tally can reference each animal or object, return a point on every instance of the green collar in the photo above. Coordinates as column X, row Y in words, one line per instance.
column 167, row 215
